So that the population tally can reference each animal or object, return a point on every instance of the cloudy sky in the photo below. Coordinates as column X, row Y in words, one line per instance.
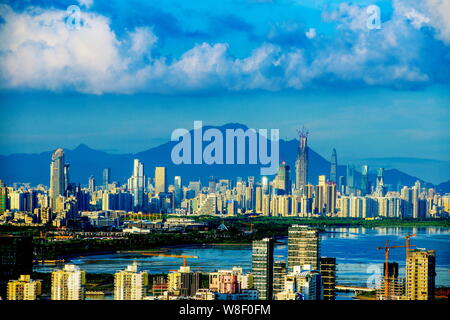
column 133, row 71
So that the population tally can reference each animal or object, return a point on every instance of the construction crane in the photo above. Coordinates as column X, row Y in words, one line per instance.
column 408, row 244
column 386, row 249
column 170, row 256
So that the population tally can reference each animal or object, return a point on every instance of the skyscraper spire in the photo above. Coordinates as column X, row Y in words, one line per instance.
column 333, row 170
column 301, row 164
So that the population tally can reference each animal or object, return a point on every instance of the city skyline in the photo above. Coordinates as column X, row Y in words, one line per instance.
column 231, row 150
column 274, row 64
column 419, row 168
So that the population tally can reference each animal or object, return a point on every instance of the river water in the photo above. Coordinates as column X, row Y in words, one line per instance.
column 355, row 250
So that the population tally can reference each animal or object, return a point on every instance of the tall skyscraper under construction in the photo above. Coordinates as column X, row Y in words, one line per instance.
column 301, row 164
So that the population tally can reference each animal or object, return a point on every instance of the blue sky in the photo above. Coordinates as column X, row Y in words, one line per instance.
column 136, row 70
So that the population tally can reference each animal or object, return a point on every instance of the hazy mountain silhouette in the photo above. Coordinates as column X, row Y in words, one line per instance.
column 443, row 187
column 84, row 161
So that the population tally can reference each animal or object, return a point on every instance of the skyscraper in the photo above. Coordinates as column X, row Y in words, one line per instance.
column 177, row 181
column 66, row 176
column 68, row 283
column 129, row 284
column 350, row 179
column 328, row 275
column 106, row 177
column 303, row 247
column 3, row 197
column 365, row 186
column 91, row 184
column 420, row 274
column 160, row 180
column 262, row 267
column 136, row 184
column 279, row 273
column 380, row 188
column 16, row 258
column 333, row 169
column 57, row 178
column 282, row 180
column 301, row 164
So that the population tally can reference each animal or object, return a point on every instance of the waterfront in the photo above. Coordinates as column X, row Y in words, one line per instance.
column 354, row 248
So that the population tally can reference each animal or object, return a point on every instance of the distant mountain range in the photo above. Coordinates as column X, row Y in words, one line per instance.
column 84, row 161
column 431, row 170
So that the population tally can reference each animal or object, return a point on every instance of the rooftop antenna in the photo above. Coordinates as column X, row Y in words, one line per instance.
column 302, row 132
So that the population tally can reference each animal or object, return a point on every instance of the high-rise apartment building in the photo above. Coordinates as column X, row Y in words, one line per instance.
column 301, row 284
column 68, row 283
column 24, row 288
column 303, row 247
column 57, row 178
column 160, row 180
column 279, row 273
column 420, row 274
column 328, row 276
column 184, row 282
column 129, row 284
column 262, row 267
column 3, row 197
column 16, row 258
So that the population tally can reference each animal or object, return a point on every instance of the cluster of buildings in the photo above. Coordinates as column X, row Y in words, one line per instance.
column 305, row 275
column 333, row 196
column 419, row 281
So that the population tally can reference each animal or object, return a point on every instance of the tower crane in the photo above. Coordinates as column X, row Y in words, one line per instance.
column 386, row 249
column 408, row 244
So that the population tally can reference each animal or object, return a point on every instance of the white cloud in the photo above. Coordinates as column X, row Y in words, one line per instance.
column 439, row 11
column 311, row 33
column 86, row 3
column 38, row 50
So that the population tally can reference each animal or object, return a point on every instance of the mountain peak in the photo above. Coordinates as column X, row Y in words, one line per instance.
column 82, row 147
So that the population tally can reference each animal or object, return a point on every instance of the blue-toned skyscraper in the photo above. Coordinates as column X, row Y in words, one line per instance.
column 365, row 186
column 333, row 169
